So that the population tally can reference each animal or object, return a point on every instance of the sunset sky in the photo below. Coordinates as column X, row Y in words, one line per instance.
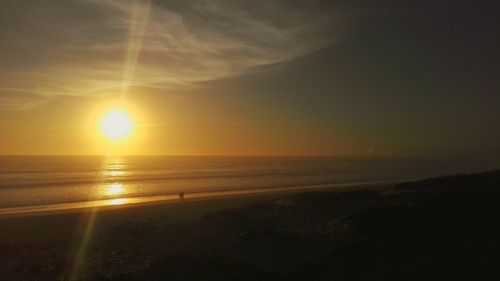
column 210, row 77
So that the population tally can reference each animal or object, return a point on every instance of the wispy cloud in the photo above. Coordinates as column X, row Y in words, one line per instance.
column 93, row 47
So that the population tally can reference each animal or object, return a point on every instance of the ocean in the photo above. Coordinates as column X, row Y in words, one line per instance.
column 38, row 180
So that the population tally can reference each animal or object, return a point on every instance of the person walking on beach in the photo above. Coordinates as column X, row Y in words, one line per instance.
column 181, row 195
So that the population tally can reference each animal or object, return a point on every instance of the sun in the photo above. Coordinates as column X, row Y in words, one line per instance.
column 116, row 124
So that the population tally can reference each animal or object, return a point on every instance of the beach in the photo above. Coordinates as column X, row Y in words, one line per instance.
column 135, row 202
column 62, row 227
column 354, row 233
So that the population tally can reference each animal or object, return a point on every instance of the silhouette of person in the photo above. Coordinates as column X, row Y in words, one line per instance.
column 181, row 195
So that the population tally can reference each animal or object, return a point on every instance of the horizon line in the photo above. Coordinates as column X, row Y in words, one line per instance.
column 246, row 155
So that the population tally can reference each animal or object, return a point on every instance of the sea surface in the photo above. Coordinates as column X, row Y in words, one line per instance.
column 38, row 180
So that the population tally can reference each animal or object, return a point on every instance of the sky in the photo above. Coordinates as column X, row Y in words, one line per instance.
column 213, row 77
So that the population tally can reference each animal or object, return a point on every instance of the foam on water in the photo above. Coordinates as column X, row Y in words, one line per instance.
column 34, row 180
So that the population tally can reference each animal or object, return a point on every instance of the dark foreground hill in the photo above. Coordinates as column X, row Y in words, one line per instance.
column 438, row 229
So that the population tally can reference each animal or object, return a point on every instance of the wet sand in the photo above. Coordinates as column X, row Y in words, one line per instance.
column 135, row 202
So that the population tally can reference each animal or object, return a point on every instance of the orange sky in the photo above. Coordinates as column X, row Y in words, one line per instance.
column 250, row 77
column 175, row 127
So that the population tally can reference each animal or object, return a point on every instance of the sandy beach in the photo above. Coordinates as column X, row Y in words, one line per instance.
column 344, row 233
column 237, row 197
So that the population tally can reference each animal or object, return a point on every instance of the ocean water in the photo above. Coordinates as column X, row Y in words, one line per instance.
column 35, row 180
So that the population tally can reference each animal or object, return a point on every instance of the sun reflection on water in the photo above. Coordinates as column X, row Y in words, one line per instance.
column 118, row 201
column 115, row 168
column 115, row 189
column 116, row 173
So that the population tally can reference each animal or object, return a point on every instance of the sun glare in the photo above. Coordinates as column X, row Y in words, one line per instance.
column 116, row 124
column 114, row 189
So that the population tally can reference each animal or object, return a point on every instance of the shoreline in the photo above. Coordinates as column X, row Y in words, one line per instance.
column 294, row 234
column 172, row 199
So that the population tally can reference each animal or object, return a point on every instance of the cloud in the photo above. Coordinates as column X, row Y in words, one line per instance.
column 95, row 47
